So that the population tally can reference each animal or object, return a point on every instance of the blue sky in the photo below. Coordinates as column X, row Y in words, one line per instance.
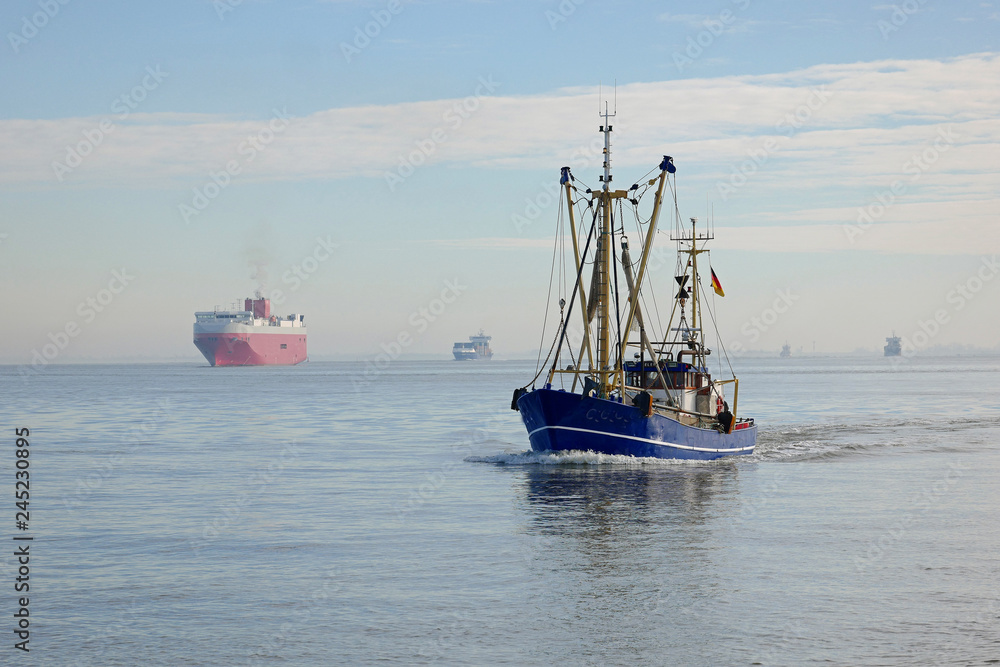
column 299, row 138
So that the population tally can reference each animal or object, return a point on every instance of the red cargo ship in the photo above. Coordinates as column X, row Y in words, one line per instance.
column 250, row 337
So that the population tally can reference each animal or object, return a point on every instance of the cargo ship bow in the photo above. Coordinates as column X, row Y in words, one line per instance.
column 250, row 337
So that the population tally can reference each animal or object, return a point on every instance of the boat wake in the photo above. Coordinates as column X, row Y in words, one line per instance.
column 875, row 438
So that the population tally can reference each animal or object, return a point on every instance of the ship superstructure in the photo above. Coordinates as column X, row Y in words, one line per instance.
column 478, row 347
column 250, row 337
column 893, row 348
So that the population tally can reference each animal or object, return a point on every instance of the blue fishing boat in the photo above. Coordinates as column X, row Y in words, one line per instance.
column 617, row 382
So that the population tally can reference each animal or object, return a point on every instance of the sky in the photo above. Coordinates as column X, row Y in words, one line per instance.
column 386, row 168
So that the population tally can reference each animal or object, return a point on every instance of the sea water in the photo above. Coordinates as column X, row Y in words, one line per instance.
column 337, row 513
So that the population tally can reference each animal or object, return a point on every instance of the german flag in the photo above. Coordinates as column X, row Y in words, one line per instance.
column 716, row 285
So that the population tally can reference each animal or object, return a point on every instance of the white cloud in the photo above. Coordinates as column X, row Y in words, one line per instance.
column 854, row 129
column 924, row 228
column 531, row 131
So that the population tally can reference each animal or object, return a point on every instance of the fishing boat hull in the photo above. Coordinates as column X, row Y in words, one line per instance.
column 558, row 420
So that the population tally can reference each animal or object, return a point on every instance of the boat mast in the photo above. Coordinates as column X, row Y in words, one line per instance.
column 604, row 249
column 694, row 276
column 566, row 179
column 696, row 320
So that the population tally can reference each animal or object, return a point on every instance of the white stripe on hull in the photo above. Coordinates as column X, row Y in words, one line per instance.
column 230, row 328
column 638, row 439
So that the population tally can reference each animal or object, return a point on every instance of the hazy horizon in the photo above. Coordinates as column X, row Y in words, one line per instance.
column 210, row 149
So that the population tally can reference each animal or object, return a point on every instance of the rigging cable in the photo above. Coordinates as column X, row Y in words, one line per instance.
column 548, row 299
column 719, row 336
column 638, row 289
column 569, row 313
column 677, row 262
column 561, row 232
column 614, row 273
column 542, row 369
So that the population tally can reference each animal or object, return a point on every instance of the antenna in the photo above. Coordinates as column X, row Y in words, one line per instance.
column 600, row 99
column 606, row 131
column 710, row 212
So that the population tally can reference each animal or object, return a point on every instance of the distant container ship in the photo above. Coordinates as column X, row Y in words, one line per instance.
column 250, row 337
column 478, row 347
